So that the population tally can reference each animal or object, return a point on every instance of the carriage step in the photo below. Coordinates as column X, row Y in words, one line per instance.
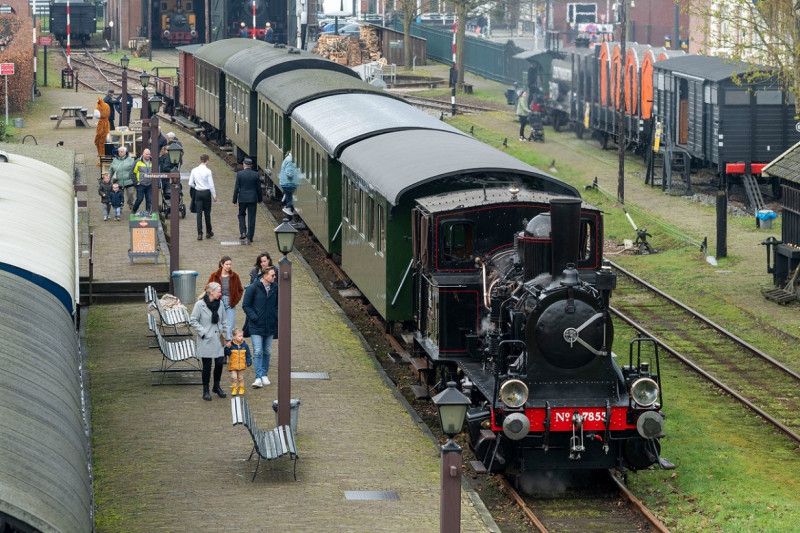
column 488, row 434
column 420, row 392
column 419, row 364
column 478, row 467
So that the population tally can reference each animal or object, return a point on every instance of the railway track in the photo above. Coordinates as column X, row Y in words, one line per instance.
column 762, row 383
column 604, row 505
column 98, row 74
column 444, row 107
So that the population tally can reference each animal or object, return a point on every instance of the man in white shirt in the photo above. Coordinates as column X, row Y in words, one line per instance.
column 204, row 193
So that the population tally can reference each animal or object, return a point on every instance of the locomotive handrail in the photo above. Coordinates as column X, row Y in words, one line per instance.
column 402, row 281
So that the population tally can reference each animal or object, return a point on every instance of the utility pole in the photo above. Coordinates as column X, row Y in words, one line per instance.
column 621, row 102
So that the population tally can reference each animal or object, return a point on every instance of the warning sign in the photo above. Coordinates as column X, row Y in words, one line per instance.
column 6, row 69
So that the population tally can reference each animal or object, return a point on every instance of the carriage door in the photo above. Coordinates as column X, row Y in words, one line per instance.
column 683, row 110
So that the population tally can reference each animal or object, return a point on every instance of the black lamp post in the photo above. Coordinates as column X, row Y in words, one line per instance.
column 452, row 406
column 123, row 115
column 144, row 78
column 285, row 234
column 153, row 104
column 175, row 155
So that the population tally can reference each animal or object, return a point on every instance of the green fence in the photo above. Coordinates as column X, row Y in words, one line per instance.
column 485, row 58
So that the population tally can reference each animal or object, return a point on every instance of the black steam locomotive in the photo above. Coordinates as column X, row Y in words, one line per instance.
column 513, row 302
column 178, row 23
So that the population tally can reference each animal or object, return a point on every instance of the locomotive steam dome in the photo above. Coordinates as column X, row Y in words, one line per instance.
column 559, row 320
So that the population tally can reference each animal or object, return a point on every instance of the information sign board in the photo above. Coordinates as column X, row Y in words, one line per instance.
column 6, row 69
column 45, row 40
column 144, row 237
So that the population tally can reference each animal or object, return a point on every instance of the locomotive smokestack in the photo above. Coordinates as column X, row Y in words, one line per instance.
column 565, row 216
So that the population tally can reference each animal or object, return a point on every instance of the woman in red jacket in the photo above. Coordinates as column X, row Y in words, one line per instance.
column 232, row 289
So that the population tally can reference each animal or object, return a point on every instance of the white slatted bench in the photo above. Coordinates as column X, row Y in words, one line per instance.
column 269, row 444
column 173, row 318
column 174, row 353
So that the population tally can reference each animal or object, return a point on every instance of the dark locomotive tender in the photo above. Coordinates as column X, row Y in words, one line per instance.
column 83, row 21
column 430, row 241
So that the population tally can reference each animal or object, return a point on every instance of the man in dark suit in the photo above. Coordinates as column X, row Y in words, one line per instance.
column 113, row 103
column 247, row 193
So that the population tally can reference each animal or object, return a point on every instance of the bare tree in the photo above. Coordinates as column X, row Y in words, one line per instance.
column 410, row 12
column 462, row 9
column 764, row 32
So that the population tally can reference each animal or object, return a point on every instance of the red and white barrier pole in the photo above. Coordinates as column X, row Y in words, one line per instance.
column 455, row 30
column 69, row 65
column 254, row 19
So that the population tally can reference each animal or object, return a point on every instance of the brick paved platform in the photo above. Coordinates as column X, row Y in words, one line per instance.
column 165, row 460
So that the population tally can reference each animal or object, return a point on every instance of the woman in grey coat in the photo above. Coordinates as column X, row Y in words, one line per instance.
column 211, row 326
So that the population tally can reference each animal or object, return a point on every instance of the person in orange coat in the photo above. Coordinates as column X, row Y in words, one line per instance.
column 103, row 127
column 232, row 289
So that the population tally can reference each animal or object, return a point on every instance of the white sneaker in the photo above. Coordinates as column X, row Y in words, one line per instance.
column 265, row 381
column 257, row 383
column 288, row 210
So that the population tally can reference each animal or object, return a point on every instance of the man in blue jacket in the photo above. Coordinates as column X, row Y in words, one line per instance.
column 260, row 305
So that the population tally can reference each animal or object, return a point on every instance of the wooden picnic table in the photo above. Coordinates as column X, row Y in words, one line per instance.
column 73, row 112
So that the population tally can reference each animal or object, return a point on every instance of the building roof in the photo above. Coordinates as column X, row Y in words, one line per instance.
column 787, row 165
column 705, row 67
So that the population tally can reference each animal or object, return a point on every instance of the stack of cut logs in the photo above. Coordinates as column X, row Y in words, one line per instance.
column 350, row 51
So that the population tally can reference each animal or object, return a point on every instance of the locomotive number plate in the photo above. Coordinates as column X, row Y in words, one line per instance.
column 595, row 415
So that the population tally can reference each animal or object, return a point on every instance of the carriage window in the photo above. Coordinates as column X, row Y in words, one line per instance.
column 586, row 249
column 348, row 191
column 737, row 98
column 381, row 226
column 323, row 175
column 369, row 220
column 457, row 241
column 769, row 98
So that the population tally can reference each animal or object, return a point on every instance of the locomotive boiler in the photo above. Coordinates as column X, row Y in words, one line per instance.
column 523, row 323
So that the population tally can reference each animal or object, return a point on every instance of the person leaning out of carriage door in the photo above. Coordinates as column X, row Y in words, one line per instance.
column 211, row 325
column 290, row 178
column 522, row 113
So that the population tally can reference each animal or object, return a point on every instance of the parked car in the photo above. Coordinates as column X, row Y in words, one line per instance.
column 348, row 30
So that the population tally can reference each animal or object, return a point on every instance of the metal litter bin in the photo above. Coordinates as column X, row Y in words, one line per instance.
column 185, row 286
column 764, row 218
column 294, row 411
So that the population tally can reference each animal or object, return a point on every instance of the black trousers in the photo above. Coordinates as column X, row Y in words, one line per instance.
column 250, row 209
column 218, row 364
column 202, row 203
column 522, row 122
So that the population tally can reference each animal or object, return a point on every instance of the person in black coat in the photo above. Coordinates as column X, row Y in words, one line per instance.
column 113, row 103
column 247, row 193
column 260, row 305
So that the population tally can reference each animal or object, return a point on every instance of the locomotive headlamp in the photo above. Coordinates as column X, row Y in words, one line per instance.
column 644, row 392
column 514, row 393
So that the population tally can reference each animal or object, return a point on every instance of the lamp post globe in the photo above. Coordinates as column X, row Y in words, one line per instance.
column 124, row 61
column 174, row 151
column 154, row 104
column 452, row 406
column 144, row 78
column 285, row 234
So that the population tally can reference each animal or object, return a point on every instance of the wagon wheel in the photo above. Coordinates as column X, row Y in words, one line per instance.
column 604, row 141
column 557, row 122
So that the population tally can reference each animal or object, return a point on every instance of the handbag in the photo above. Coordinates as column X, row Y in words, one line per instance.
column 192, row 207
column 246, row 327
